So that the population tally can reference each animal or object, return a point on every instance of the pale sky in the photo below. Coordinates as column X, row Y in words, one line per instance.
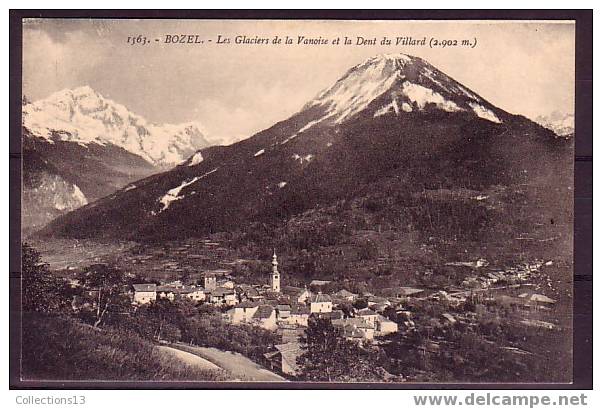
column 236, row 90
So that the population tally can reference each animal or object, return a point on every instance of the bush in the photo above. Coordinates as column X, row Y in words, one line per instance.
column 211, row 331
column 368, row 250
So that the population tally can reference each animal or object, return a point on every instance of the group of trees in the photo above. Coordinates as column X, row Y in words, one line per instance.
column 85, row 332
column 101, row 289
column 41, row 291
column 63, row 348
column 328, row 356
column 101, row 300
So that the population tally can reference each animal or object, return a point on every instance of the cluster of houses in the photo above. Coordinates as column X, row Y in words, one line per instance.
column 214, row 292
column 512, row 275
column 273, row 307
column 294, row 310
column 287, row 310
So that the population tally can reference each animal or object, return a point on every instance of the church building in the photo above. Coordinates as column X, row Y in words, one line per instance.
column 275, row 277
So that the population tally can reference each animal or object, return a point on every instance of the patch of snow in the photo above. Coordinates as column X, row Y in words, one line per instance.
column 432, row 76
column 484, row 113
column 259, row 152
column 392, row 106
column 78, row 195
column 303, row 129
column 302, row 159
column 71, row 201
column 196, row 159
column 422, row 96
column 406, row 107
column 290, row 138
column 281, row 184
column 308, row 125
column 329, row 144
column 174, row 194
column 467, row 93
column 480, row 197
column 130, row 187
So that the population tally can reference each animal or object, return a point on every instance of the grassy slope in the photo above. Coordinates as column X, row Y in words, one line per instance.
column 63, row 349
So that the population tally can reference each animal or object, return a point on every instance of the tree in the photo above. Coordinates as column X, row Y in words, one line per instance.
column 329, row 357
column 105, row 284
column 360, row 303
column 367, row 250
column 41, row 291
column 165, row 318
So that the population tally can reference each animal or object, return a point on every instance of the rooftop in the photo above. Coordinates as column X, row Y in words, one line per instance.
column 344, row 293
column 299, row 309
column 145, row 287
column 319, row 282
column 321, row 298
column 220, row 291
column 409, row 291
column 246, row 304
column 263, row 312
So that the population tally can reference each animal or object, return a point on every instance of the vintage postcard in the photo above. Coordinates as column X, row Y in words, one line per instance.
column 279, row 201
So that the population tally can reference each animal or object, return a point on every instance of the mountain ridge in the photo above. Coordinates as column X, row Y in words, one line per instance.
column 347, row 139
column 562, row 125
column 84, row 116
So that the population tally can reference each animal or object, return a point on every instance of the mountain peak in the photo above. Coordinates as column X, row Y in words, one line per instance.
column 394, row 57
column 84, row 90
column 78, row 93
column 407, row 83
column 84, row 116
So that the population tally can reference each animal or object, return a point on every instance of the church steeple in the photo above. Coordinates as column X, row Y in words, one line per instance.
column 275, row 277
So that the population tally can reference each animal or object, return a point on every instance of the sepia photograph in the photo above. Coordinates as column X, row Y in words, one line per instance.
column 297, row 201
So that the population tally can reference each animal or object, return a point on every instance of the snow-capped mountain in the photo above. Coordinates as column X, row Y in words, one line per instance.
column 79, row 146
column 409, row 84
column 84, row 116
column 393, row 123
column 561, row 124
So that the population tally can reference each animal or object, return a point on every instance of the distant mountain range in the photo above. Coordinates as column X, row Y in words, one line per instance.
column 79, row 146
column 85, row 117
column 393, row 135
column 561, row 124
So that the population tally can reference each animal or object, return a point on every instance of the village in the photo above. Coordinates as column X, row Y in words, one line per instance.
column 366, row 319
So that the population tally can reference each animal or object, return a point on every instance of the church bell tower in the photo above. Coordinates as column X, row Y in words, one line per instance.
column 275, row 277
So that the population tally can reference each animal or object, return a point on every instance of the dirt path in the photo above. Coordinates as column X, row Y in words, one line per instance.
column 239, row 366
column 188, row 358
